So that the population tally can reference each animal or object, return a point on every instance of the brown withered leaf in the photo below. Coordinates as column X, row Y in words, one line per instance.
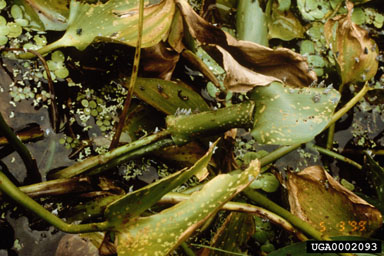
column 281, row 63
column 354, row 51
column 239, row 78
column 159, row 61
column 316, row 197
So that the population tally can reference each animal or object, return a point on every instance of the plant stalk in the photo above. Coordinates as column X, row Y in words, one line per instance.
column 21, row 149
column 102, row 161
column 338, row 156
column 21, row 198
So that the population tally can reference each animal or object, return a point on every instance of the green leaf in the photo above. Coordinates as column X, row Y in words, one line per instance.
column 161, row 233
column 250, row 22
column 284, row 25
column 287, row 116
column 114, row 21
column 135, row 203
column 168, row 96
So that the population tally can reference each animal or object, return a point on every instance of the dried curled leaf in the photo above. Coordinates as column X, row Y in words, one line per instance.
column 240, row 78
column 281, row 63
column 316, row 197
column 354, row 51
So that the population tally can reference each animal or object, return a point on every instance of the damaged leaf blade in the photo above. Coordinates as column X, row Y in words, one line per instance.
column 344, row 213
column 135, row 203
column 287, row 116
column 161, row 233
column 114, row 21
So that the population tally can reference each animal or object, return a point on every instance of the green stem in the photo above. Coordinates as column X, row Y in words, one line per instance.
column 337, row 156
column 18, row 196
column 184, row 128
column 188, row 251
column 133, row 154
column 350, row 104
column 274, row 155
column 22, row 150
column 294, row 220
column 331, row 130
column 58, row 187
column 331, row 133
column 102, row 161
column 44, row 50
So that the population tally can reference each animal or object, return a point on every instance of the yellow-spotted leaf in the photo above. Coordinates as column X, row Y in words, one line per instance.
column 286, row 116
column 161, row 233
column 133, row 204
column 168, row 96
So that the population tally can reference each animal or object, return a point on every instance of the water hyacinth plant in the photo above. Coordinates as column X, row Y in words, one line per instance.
column 256, row 105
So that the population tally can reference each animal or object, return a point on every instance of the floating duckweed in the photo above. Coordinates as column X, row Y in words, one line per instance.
column 16, row 12
column 3, row 4
column 92, row 104
column 22, row 22
column 52, row 65
column 4, row 30
column 16, row 98
column 69, row 139
column 103, row 128
column 53, row 76
column 94, row 112
column 107, row 123
column 29, row 46
column 62, row 141
column 58, row 56
column 87, row 111
column 40, row 40
column 3, row 40
column 61, row 73
column 3, row 21
column 99, row 108
column 15, row 30
column 85, row 103
column 99, row 123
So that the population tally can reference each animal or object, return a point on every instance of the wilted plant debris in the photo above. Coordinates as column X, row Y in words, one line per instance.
column 241, row 127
